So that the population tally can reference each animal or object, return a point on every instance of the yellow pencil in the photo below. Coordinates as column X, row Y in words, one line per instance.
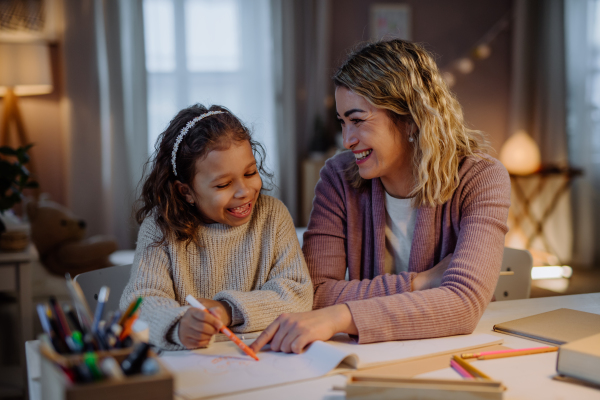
column 518, row 353
column 474, row 371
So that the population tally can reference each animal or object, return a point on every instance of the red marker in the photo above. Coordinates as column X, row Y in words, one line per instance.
column 195, row 303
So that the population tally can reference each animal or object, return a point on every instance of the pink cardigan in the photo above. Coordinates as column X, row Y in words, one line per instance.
column 346, row 230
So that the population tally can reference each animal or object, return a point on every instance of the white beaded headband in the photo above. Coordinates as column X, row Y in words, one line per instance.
column 184, row 131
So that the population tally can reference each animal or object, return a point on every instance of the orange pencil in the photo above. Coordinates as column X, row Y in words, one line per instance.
column 515, row 353
column 224, row 329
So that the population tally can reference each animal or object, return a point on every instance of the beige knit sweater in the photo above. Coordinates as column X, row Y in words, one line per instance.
column 258, row 268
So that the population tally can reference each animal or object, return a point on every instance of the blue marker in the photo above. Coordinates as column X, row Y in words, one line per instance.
column 102, row 299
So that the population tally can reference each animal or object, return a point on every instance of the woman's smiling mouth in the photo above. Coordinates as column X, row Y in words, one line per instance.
column 362, row 156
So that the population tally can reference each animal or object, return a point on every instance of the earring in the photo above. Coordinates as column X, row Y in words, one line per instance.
column 411, row 139
column 191, row 203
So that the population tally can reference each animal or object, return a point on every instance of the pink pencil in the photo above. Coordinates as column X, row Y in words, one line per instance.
column 534, row 350
column 461, row 371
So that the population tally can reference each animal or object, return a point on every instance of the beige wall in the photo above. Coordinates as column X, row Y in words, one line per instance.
column 449, row 29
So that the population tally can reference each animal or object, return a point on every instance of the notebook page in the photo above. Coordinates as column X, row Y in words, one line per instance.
column 224, row 368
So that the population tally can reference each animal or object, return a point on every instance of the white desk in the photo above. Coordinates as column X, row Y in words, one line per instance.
column 525, row 377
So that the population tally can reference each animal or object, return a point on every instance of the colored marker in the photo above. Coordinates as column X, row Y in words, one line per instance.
column 42, row 314
column 128, row 327
column 91, row 361
column 195, row 303
column 74, row 320
column 58, row 338
column 60, row 317
column 78, row 339
column 133, row 306
column 111, row 369
column 116, row 316
column 102, row 299
column 133, row 363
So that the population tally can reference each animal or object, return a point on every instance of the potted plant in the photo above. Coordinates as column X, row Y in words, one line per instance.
column 14, row 178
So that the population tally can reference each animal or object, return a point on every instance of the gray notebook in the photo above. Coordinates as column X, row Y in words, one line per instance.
column 554, row 327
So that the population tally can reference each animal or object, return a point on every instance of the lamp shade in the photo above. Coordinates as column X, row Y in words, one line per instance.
column 520, row 154
column 25, row 67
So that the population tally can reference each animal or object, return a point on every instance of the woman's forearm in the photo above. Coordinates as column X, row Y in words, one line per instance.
column 342, row 317
column 330, row 291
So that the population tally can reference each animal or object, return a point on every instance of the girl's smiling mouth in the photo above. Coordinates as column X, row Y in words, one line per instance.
column 242, row 211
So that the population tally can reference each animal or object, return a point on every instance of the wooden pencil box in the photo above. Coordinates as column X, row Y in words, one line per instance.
column 56, row 386
column 368, row 387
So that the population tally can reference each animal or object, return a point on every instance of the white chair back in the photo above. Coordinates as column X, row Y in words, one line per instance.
column 115, row 278
column 517, row 286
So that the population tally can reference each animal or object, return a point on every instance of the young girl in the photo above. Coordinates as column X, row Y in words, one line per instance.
column 206, row 230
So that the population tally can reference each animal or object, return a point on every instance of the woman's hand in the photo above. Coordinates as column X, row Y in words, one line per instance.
column 292, row 332
column 432, row 278
column 196, row 327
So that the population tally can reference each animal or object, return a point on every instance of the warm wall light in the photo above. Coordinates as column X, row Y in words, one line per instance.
column 24, row 71
column 25, row 68
column 520, row 154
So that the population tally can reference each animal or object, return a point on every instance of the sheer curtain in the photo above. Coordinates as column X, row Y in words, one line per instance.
column 211, row 52
column 104, row 112
column 582, row 22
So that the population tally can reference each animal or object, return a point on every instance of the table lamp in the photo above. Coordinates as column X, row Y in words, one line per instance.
column 520, row 154
column 24, row 71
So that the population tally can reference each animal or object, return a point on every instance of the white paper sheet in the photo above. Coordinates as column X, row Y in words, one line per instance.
column 224, row 368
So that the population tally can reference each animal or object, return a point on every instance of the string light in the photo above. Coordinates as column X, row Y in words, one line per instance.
column 482, row 50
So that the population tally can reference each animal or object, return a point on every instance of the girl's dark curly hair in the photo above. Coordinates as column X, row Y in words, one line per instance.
column 159, row 195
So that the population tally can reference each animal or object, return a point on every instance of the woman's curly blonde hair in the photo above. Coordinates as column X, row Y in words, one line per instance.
column 402, row 77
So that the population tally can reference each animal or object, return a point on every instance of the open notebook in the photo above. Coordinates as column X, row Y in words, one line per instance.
column 223, row 368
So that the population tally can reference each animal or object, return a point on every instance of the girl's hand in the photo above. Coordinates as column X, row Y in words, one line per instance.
column 196, row 327
column 432, row 278
column 292, row 332
column 221, row 307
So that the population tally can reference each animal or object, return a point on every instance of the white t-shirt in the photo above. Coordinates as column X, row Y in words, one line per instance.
column 400, row 219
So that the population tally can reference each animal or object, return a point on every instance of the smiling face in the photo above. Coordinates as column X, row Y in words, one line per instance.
column 381, row 148
column 226, row 185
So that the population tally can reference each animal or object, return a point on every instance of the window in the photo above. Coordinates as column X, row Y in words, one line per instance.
column 211, row 52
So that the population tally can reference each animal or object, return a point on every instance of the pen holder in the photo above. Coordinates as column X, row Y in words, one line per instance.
column 55, row 384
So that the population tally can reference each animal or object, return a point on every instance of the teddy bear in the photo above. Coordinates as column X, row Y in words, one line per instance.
column 59, row 239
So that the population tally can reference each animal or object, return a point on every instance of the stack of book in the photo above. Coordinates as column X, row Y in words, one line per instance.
column 576, row 332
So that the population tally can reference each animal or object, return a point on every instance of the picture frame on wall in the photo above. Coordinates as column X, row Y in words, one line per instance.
column 389, row 21
column 29, row 20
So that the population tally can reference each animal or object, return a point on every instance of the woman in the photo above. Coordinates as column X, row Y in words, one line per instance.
column 415, row 204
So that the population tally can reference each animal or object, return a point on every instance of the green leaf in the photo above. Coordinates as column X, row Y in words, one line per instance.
column 32, row 185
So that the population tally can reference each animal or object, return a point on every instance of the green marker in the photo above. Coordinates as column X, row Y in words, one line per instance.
column 136, row 306
column 78, row 339
column 130, row 310
column 91, row 361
